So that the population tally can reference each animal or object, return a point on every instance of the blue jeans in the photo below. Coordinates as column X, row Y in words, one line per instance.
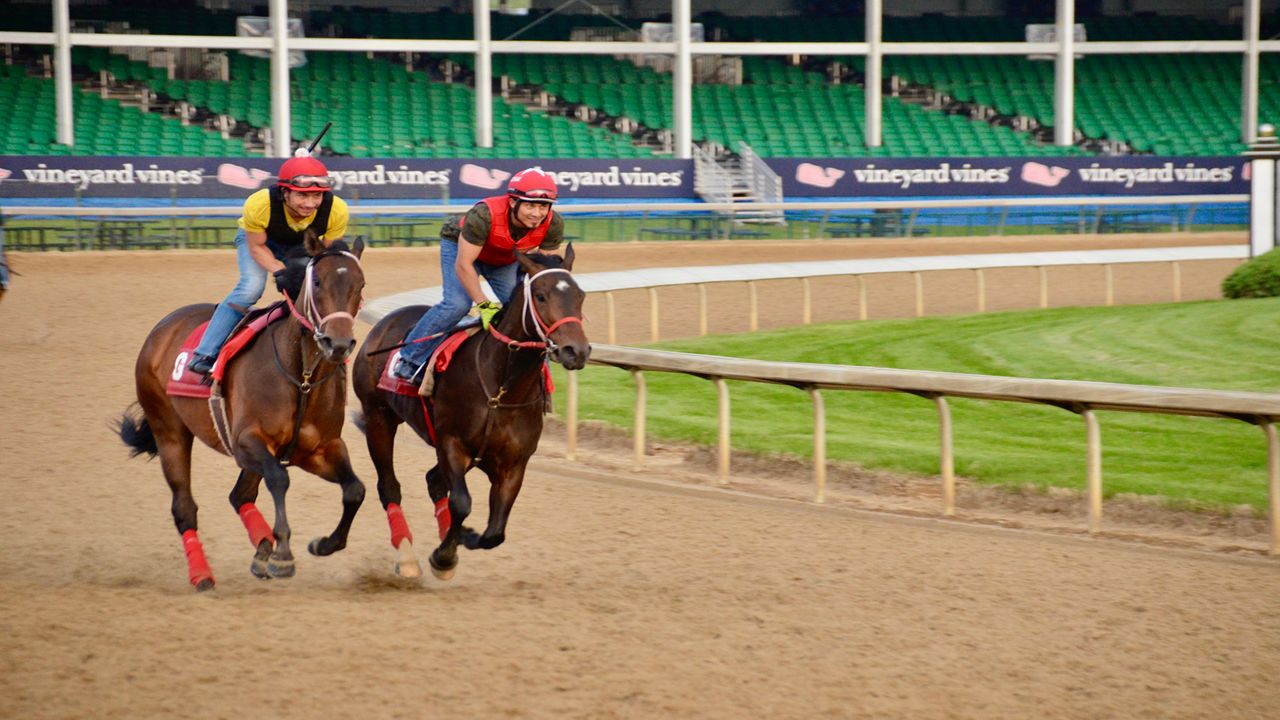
column 456, row 303
column 253, row 280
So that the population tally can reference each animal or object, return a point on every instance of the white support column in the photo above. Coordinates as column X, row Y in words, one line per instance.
column 484, row 76
column 1249, row 78
column 1064, row 75
column 682, row 80
column 281, row 124
column 872, row 137
column 1262, row 190
column 62, row 72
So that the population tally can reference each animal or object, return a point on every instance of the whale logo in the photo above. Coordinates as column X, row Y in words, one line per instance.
column 1038, row 174
column 245, row 178
column 488, row 179
column 818, row 176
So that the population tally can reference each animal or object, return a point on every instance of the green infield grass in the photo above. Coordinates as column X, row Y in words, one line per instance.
column 1207, row 463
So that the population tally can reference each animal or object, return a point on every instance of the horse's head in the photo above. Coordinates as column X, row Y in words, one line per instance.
column 553, row 304
column 325, row 287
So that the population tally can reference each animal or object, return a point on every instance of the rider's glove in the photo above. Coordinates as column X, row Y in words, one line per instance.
column 279, row 277
column 487, row 310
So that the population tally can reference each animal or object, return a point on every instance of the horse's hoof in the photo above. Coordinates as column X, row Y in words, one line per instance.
column 407, row 564
column 281, row 568
column 323, row 546
column 411, row 570
column 442, row 572
column 259, row 569
column 204, row 584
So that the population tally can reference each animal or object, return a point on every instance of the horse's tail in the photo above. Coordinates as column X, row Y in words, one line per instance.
column 358, row 419
column 135, row 431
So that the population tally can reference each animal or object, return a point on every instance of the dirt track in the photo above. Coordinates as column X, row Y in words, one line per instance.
column 613, row 597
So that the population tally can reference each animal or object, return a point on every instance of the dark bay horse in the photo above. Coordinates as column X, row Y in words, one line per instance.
column 488, row 407
column 285, row 394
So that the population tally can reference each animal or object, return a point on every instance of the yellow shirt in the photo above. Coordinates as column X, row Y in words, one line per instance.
column 257, row 213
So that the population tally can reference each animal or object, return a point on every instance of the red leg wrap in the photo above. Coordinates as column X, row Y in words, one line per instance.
column 399, row 526
column 443, row 518
column 258, row 528
column 197, row 565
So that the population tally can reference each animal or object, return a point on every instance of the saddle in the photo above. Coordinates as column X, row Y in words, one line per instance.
column 184, row 383
column 437, row 362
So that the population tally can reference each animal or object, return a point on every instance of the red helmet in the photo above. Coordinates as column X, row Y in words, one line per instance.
column 532, row 185
column 305, row 174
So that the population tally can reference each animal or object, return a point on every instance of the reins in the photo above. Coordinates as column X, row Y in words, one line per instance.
column 315, row 324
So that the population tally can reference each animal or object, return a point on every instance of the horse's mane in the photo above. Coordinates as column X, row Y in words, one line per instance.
column 546, row 260
column 295, row 265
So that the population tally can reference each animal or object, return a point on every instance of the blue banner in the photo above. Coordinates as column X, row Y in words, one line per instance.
column 1006, row 176
column 655, row 179
column 364, row 179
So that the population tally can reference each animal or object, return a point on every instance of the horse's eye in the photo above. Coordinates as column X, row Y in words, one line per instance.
column 541, row 297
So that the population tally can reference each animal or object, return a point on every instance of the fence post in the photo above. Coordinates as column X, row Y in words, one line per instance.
column 1273, row 484
column 653, row 314
column 919, row 282
column 638, row 445
column 702, row 309
column 862, row 297
column 806, row 317
column 1109, row 277
column 1177, row 281
column 819, row 446
column 1044, row 286
column 1093, row 463
column 722, row 438
column 571, row 418
column 982, row 290
column 946, row 455
column 754, row 322
column 613, row 318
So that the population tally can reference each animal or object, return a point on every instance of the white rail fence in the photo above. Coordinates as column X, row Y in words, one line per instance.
column 1082, row 398
column 652, row 279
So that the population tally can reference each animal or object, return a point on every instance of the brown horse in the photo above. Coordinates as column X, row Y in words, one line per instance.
column 488, row 407
column 285, row 395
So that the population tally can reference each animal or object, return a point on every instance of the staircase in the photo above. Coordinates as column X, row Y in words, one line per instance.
column 738, row 178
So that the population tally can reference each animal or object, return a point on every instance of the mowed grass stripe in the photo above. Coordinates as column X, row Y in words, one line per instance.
column 1198, row 462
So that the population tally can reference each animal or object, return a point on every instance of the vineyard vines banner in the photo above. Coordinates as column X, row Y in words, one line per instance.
column 366, row 179
column 437, row 180
column 1044, row 176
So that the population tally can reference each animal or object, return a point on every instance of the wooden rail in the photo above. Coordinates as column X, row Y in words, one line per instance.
column 1080, row 397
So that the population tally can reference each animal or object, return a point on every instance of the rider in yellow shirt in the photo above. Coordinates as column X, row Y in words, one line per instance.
column 274, row 220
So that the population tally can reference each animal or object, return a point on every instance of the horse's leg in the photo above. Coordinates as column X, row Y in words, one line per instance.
column 175, row 462
column 256, row 458
column 504, row 486
column 380, row 435
column 438, row 490
column 454, row 462
column 332, row 463
column 242, row 499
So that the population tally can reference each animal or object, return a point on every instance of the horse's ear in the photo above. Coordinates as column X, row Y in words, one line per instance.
column 312, row 243
column 358, row 248
column 568, row 257
column 527, row 264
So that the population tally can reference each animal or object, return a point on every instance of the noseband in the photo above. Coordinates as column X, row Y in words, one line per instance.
column 312, row 320
column 530, row 310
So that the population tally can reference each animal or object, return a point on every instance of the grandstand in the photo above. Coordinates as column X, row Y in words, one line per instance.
column 131, row 101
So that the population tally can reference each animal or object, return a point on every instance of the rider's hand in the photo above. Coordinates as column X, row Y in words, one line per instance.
column 487, row 310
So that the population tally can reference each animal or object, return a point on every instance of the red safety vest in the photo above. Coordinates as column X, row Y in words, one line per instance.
column 499, row 248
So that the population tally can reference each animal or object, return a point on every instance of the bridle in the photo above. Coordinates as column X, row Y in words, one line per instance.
column 310, row 318
column 530, row 310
